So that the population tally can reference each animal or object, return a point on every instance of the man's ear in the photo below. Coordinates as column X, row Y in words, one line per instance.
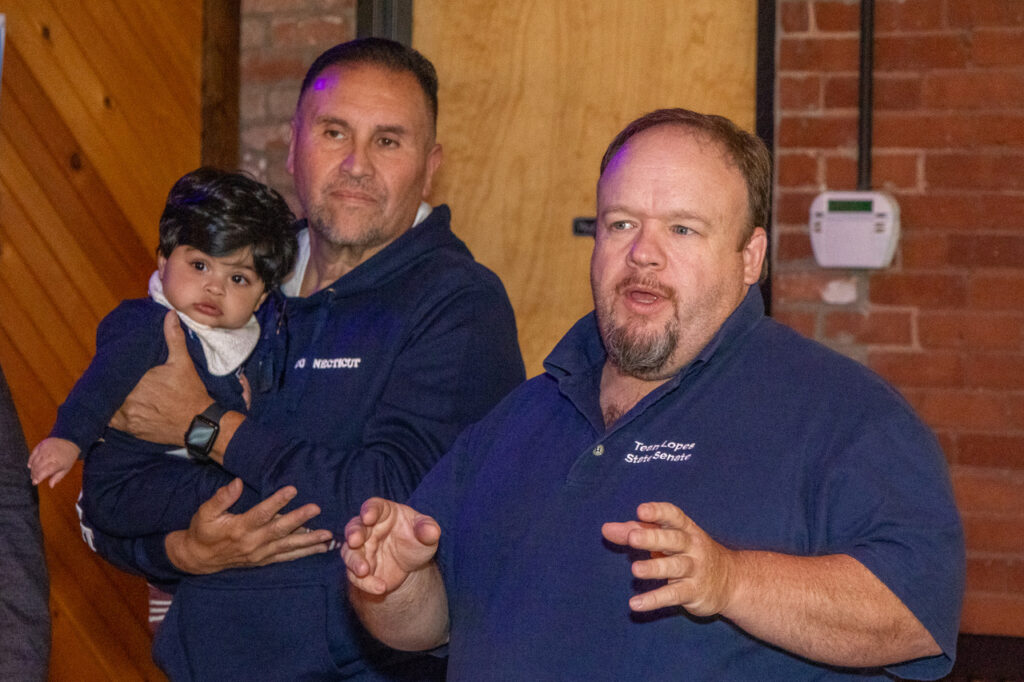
column 754, row 252
column 434, row 158
column 161, row 263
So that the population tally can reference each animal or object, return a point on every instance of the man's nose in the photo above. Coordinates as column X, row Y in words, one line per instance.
column 357, row 161
column 647, row 250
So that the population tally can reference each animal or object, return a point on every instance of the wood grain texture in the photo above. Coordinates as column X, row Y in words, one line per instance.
column 533, row 92
column 100, row 112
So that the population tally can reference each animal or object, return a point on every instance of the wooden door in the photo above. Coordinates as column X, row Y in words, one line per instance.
column 531, row 94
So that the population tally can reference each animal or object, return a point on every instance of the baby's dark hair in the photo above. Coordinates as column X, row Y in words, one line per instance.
column 219, row 212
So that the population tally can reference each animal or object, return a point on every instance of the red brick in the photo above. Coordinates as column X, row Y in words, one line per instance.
column 996, row 291
column 793, row 207
column 818, row 132
column 983, row 171
column 918, row 370
column 910, row 52
column 1015, row 579
column 995, row 371
column 254, row 33
column 282, row 99
column 819, row 54
column 992, row 614
column 840, row 172
column 989, row 492
column 897, row 92
column 948, row 130
column 929, row 290
column 324, row 30
column 916, row 129
column 966, row 329
column 836, row 16
column 252, row 105
column 800, row 93
column 998, row 129
column 841, row 92
column 793, row 246
column 997, row 47
column 947, row 443
column 991, row 450
column 800, row 287
column 889, row 91
column 800, row 320
column 988, row 574
column 257, row 68
column 994, row 534
column 922, row 250
column 266, row 136
column 797, row 170
column 907, row 15
column 884, row 327
column 272, row 6
column 1009, row 13
column 961, row 409
column 794, row 16
column 988, row 251
column 1015, row 409
column 974, row 89
column 973, row 210
column 894, row 170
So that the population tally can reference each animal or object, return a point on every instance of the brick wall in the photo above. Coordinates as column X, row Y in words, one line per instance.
column 279, row 40
column 944, row 323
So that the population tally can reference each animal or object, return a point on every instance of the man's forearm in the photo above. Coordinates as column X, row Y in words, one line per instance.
column 412, row 618
column 830, row 609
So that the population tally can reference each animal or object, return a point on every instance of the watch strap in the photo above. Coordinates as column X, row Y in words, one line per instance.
column 202, row 432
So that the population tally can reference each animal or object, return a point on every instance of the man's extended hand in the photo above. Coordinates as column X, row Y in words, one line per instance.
column 161, row 406
column 386, row 543
column 696, row 567
column 217, row 539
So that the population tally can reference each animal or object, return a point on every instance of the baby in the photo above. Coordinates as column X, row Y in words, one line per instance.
column 226, row 241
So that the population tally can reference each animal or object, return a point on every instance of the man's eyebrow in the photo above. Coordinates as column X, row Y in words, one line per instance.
column 680, row 215
column 391, row 128
column 330, row 120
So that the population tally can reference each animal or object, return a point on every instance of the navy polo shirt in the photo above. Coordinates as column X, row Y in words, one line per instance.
column 767, row 440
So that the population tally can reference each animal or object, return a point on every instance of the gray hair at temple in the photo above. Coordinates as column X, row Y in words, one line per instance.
column 746, row 151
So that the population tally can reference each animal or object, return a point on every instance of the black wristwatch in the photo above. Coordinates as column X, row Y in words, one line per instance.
column 202, row 433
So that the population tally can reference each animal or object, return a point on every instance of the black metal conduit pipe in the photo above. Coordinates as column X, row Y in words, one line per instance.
column 866, row 102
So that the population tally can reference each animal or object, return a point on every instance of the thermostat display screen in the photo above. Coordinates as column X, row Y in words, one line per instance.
column 850, row 205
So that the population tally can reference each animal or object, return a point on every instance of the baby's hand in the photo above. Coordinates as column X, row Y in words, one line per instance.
column 52, row 459
column 246, row 390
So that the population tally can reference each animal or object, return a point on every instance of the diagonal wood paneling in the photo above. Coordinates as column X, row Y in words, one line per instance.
column 100, row 111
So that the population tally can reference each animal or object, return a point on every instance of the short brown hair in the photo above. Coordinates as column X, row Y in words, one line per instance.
column 746, row 151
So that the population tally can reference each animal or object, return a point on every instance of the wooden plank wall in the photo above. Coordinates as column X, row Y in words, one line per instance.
column 100, row 111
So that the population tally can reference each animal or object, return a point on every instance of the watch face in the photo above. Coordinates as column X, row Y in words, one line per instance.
column 201, row 435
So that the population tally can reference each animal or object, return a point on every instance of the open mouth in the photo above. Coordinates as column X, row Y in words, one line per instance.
column 643, row 292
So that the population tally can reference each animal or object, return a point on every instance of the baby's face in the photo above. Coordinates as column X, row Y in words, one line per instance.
column 218, row 291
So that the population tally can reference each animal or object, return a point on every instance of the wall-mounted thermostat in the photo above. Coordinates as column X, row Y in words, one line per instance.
column 854, row 229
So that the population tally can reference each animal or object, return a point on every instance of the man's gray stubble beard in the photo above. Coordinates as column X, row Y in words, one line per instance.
column 638, row 354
